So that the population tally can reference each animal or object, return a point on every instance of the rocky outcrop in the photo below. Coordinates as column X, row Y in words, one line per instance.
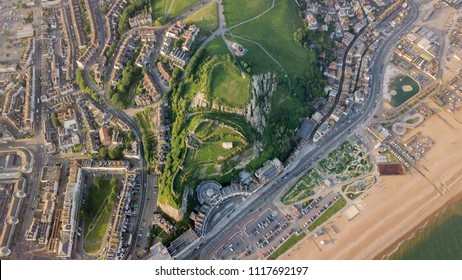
column 257, row 109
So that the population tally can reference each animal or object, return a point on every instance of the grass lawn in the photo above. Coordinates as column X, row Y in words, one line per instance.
column 206, row 19
column 216, row 47
column 93, row 241
column 180, row 6
column 303, row 188
column 96, row 199
column 228, row 86
column 237, row 11
column 149, row 139
column 160, row 8
column 213, row 151
column 338, row 205
column 143, row 119
column 274, row 31
column 294, row 239
column 213, row 136
column 259, row 61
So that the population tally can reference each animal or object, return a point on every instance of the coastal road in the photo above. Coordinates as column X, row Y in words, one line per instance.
column 309, row 155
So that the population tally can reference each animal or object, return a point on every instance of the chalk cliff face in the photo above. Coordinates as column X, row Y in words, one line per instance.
column 257, row 109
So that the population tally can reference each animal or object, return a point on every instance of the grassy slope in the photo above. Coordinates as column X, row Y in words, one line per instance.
column 274, row 31
column 206, row 19
column 96, row 197
column 159, row 7
column 216, row 47
column 229, row 86
column 180, row 6
column 212, row 149
column 234, row 13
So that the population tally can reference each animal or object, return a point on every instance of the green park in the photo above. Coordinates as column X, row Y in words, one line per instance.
column 346, row 162
column 96, row 213
column 222, row 83
column 304, row 188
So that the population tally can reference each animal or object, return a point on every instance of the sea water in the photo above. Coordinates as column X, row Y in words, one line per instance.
column 441, row 239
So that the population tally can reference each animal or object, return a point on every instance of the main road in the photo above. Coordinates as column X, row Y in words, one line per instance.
column 309, row 155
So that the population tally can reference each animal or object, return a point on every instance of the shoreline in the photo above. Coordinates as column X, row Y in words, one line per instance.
column 393, row 247
column 398, row 207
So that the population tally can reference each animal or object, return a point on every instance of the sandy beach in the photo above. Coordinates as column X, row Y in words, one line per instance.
column 398, row 205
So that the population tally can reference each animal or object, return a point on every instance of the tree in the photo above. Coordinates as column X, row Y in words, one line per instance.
column 54, row 120
column 29, row 18
column 103, row 152
column 116, row 153
column 299, row 36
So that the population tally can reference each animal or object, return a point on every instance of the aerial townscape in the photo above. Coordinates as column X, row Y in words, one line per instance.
column 226, row 129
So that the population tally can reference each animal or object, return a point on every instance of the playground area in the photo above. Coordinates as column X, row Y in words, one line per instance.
column 304, row 188
column 346, row 162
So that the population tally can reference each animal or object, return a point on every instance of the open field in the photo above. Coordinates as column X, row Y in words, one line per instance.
column 212, row 137
column 336, row 207
column 160, row 8
column 303, row 188
column 180, row 6
column 412, row 199
column 234, row 13
column 228, row 86
column 274, row 32
column 206, row 19
column 216, row 47
column 259, row 61
column 93, row 241
column 97, row 213
column 294, row 239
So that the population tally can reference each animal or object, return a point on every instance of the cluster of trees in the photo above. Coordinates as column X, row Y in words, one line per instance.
column 105, row 8
column 83, row 12
column 316, row 40
column 148, row 138
column 178, row 147
column 54, row 120
column 134, row 7
column 114, row 153
column 77, row 148
column 194, row 63
column 247, row 66
column 131, row 77
column 98, row 188
column 29, row 18
column 111, row 50
column 114, row 191
column 83, row 85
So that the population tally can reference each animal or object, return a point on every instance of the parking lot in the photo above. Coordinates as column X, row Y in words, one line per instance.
column 11, row 20
column 233, row 249
column 316, row 208
column 267, row 232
